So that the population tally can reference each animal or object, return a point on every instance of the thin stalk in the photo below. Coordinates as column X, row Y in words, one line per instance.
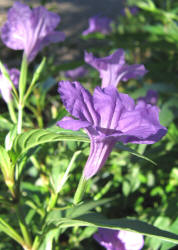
column 20, row 118
column 80, row 190
column 22, row 88
column 12, row 112
column 52, row 202
column 35, row 78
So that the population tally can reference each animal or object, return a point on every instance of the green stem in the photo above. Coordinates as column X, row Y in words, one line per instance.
column 35, row 78
column 80, row 190
column 23, row 77
column 52, row 202
column 22, row 88
column 20, row 117
column 12, row 112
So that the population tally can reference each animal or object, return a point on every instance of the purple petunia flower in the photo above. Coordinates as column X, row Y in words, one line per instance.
column 150, row 98
column 132, row 9
column 30, row 30
column 119, row 240
column 76, row 73
column 98, row 24
column 5, row 86
column 113, row 68
column 108, row 116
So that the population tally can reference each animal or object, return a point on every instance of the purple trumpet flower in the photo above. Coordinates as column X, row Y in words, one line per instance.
column 98, row 24
column 113, row 68
column 76, row 73
column 150, row 98
column 30, row 30
column 119, row 240
column 108, row 117
column 5, row 86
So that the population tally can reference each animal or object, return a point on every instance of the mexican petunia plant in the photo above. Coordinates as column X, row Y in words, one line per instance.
column 42, row 185
column 108, row 117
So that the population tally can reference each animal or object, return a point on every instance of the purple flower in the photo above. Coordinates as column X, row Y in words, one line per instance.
column 108, row 117
column 5, row 86
column 76, row 73
column 30, row 30
column 150, row 98
column 119, row 240
column 98, row 24
column 132, row 9
column 113, row 68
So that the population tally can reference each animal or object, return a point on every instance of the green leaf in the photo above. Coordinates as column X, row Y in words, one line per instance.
column 5, row 162
column 10, row 137
column 133, row 225
column 133, row 152
column 4, row 123
column 75, row 210
column 35, row 137
column 85, row 207
column 7, row 229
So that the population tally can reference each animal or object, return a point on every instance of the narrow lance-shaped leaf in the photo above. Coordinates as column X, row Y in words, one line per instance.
column 35, row 137
column 132, row 225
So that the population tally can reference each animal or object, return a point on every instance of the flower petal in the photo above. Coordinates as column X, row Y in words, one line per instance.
column 70, row 123
column 78, row 101
column 132, row 71
column 141, row 125
column 98, row 24
column 99, row 152
column 76, row 73
column 16, row 28
column 110, row 104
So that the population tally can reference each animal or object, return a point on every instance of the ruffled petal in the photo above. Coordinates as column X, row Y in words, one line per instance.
column 132, row 71
column 78, row 101
column 70, row 123
column 17, row 27
column 141, row 125
column 108, row 105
